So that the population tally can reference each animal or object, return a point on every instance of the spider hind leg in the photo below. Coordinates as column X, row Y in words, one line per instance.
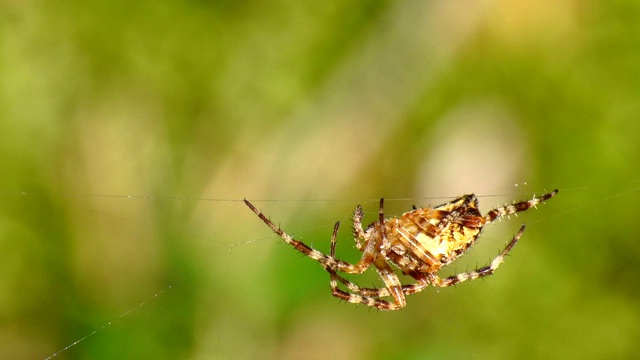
column 481, row 272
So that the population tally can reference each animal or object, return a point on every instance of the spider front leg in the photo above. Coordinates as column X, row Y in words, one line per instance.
column 370, row 245
column 371, row 248
column 478, row 273
column 359, row 234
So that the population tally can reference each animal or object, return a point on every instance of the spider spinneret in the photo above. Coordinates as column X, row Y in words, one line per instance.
column 419, row 243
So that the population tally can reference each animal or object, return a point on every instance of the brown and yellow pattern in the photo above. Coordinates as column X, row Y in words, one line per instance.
column 419, row 242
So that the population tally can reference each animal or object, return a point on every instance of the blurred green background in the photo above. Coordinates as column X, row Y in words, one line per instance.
column 131, row 130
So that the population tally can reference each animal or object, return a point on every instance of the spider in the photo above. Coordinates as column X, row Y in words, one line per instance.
column 419, row 242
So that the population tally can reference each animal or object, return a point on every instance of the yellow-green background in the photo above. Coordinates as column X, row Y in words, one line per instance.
column 296, row 101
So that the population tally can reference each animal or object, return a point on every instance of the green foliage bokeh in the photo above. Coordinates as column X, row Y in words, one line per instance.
column 130, row 131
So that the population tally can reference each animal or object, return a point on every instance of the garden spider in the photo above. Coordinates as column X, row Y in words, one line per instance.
column 420, row 243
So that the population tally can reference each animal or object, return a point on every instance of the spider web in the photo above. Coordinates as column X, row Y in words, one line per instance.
column 572, row 199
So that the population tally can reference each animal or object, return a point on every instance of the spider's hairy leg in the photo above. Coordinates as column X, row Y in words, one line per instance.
column 370, row 252
column 379, row 292
column 503, row 211
column 358, row 232
column 482, row 272
column 369, row 297
column 381, row 228
column 324, row 260
column 389, row 278
column 391, row 282
column 423, row 282
column 370, row 249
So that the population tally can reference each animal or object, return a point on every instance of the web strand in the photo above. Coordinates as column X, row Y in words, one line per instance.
column 430, row 199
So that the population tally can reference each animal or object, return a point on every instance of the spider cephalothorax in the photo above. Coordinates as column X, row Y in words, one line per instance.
column 419, row 242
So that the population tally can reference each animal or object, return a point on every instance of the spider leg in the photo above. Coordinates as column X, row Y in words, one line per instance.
column 506, row 210
column 423, row 282
column 371, row 248
column 357, row 298
column 385, row 271
column 391, row 282
column 358, row 232
column 367, row 296
column 478, row 273
column 323, row 259
column 382, row 230
column 378, row 292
